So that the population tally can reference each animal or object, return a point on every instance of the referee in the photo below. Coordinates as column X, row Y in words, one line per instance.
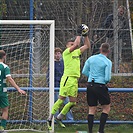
column 98, row 70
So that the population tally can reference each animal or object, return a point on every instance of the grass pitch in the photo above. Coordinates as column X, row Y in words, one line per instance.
column 115, row 128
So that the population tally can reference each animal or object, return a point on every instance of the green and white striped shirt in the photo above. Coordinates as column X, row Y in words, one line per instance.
column 4, row 72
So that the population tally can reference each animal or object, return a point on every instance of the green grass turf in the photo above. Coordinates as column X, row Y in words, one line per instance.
column 115, row 128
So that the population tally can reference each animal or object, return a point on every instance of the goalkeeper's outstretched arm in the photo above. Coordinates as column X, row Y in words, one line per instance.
column 86, row 44
column 74, row 44
column 82, row 30
column 84, row 33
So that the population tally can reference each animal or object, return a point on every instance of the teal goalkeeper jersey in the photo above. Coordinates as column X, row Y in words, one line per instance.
column 4, row 72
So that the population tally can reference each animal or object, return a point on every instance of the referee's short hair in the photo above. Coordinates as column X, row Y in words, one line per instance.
column 105, row 47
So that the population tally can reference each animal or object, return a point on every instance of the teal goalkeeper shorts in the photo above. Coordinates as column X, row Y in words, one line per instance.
column 4, row 102
column 68, row 86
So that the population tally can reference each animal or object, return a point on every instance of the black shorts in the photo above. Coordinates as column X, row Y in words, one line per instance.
column 97, row 94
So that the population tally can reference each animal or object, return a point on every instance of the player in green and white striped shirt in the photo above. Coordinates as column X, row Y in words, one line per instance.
column 4, row 103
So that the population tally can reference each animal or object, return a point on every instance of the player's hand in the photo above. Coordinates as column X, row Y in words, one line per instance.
column 22, row 92
column 79, row 30
column 85, row 30
column 82, row 30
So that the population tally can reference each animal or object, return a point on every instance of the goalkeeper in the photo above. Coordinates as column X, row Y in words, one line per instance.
column 4, row 103
column 69, row 80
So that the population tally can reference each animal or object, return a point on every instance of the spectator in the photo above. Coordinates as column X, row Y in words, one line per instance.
column 122, row 24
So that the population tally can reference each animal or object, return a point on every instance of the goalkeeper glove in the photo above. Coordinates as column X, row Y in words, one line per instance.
column 85, row 30
column 79, row 30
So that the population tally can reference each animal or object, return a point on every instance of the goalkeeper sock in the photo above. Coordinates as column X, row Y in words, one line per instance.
column 67, row 107
column 3, row 123
column 56, row 106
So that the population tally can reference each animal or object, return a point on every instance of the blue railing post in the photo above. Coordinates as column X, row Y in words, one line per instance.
column 30, row 62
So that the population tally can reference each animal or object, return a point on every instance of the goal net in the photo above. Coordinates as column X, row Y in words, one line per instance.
column 29, row 46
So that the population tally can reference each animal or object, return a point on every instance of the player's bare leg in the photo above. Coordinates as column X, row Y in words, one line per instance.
column 4, row 119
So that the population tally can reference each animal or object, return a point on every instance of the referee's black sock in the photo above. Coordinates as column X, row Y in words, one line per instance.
column 103, row 119
column 90, row 122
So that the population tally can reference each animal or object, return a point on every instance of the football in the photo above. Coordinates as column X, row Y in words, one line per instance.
column 85, row 29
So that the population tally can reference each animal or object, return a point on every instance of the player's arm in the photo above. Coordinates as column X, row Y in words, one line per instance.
column 86, row 68
column 86, row 44
column 12, row 82
column 108, row 72
column 82, row 30
column 75, row 44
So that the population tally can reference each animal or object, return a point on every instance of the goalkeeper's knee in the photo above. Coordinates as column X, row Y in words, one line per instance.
column 67, row 107
column 56, row 106
column 72, row 104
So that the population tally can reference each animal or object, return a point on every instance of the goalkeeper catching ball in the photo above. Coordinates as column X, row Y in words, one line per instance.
column 69, row 80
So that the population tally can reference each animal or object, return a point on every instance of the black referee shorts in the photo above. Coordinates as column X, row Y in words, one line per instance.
column 97, row 94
